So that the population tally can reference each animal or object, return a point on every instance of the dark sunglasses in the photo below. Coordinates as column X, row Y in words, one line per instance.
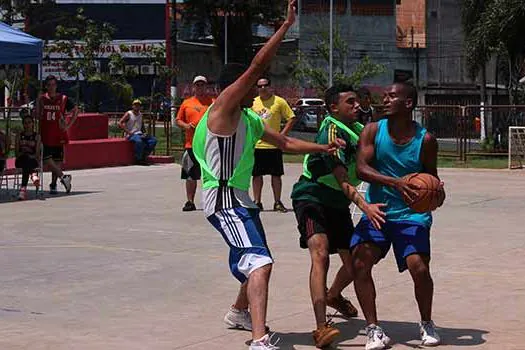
column 263, row 86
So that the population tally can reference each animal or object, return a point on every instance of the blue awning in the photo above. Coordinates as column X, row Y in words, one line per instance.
column 17, row 47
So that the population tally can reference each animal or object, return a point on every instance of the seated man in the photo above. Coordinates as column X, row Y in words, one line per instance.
column 131, row 123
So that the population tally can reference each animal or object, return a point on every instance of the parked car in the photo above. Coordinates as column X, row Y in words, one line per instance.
column 307, row 111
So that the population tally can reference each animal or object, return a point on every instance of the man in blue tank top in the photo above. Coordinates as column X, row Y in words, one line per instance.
column 388, row 150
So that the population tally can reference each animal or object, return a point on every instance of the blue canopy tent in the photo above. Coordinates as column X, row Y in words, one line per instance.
column 17, row 47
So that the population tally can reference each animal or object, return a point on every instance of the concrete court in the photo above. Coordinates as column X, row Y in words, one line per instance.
column 117, row 265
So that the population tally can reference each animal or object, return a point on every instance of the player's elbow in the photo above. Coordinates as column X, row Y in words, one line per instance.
column 361, row 171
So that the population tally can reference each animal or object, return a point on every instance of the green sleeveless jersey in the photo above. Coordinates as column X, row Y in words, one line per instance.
column 317, row 183
column 242, row 172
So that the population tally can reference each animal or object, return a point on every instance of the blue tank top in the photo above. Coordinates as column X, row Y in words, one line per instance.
column 396, row 160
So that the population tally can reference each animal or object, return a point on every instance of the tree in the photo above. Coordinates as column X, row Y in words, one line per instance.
column 313, row 68
column 497, row 29
column 240, row 14
column 83, row 60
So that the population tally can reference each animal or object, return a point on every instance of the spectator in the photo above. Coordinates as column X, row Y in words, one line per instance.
column 51, row 109
column 269, row 159
column 366, row 112
column 190, row 113
column 27, row 148
column 131, row 123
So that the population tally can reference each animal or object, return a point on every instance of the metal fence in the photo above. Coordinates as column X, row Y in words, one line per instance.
column 459, row 129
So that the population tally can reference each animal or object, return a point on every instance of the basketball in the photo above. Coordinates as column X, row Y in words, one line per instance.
column 429, row 193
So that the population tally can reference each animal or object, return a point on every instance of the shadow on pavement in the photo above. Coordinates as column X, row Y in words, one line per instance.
column 406, row 333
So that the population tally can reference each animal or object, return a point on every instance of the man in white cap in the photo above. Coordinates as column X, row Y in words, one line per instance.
column 131, row 123
column 189, row 115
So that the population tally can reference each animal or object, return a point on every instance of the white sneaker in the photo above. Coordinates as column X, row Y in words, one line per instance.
column 66, row 181
column 239, row 319
column 429, row 336
column 376, row 338
column 264, row 343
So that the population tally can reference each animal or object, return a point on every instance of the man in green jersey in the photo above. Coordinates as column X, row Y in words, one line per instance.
column 224, row 145
column 321, row 200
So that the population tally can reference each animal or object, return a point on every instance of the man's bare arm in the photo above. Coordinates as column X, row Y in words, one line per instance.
column 372, row 211
column 122, row 123
column 293, row 145
column 288, row 126
column 229, row 100
column 365, row 158
column 74, row 116
column 429, row 156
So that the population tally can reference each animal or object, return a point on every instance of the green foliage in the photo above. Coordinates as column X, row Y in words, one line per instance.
column 92, row 35
column 495, row 27
column 488, row 144
column 241, row 15
column 316, row 73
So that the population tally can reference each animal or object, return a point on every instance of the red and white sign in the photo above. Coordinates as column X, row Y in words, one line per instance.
column 126, row 48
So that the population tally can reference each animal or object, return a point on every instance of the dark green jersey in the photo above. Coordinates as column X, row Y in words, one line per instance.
column 322, row 164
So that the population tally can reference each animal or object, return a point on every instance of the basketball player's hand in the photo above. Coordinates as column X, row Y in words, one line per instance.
column 375, row 214
column 335, row 145
column 442, row 194
column 292, row 10
column 408, row 190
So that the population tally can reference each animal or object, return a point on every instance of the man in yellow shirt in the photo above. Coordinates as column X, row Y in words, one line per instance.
column 268, row 158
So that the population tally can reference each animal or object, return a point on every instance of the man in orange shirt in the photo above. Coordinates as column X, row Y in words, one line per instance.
column 189, row 115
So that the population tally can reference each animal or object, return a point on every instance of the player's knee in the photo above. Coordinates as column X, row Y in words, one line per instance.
column 361, row 267
column 320, row 256
column 420, row 272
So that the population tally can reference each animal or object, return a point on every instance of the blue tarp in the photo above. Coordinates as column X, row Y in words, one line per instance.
column 17, row 47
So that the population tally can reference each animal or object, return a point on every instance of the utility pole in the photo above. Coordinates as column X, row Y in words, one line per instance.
column 331, row 68
column 173, row 54
column 225, row 15
column 417, row 66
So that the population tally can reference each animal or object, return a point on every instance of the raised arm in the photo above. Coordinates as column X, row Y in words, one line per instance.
column 365, row 160
column 229, row 100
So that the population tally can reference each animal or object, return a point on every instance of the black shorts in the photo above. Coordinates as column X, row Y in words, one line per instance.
column 25, row 161
column 314, row 218
column 54, row 152
column 268, row 162
column 191, row 169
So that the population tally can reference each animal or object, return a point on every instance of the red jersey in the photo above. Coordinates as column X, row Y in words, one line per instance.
column 53, row 110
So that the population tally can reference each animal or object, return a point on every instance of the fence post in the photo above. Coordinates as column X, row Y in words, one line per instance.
column 463, row 135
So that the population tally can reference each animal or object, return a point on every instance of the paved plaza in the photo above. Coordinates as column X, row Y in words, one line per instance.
column 118, row 265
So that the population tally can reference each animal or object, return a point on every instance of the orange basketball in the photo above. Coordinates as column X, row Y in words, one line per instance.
column 429, row 193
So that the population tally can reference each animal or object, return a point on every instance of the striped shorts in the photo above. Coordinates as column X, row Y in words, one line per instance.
column 242, row 230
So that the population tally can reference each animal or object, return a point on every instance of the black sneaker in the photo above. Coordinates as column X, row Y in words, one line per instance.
column 260, row 206
column 189, row 206
column 279, row 206
column 53, row 189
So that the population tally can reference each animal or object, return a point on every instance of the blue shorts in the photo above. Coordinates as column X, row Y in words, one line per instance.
column 242, row 230
column 407, row 238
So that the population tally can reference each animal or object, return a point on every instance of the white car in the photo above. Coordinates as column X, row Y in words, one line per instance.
column 307, row 110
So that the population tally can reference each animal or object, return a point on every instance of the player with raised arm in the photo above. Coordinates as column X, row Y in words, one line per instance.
column 224, row 145
column 389, row 150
